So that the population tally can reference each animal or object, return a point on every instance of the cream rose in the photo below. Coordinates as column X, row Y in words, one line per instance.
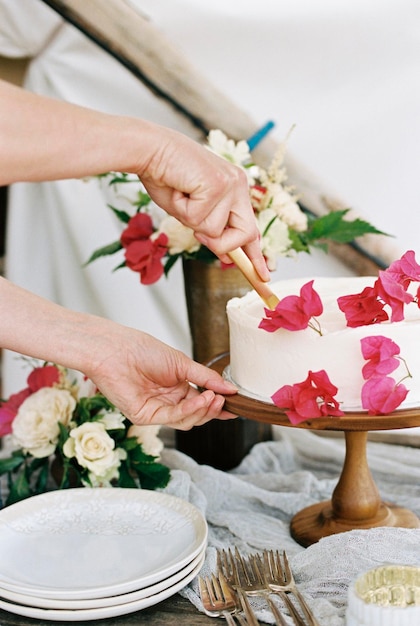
column 180, row 237
column 95, row 450
column 112, row 420
column 275, row 240
column 35, row 427
column 148, row 437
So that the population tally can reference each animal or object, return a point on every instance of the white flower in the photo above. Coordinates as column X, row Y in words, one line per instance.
column 237, row 153
column 95, row 450
column 275, row 239
column 35, row 427
column 148, row 437
column 112, row 420
column 286, row 207
column 180, row 237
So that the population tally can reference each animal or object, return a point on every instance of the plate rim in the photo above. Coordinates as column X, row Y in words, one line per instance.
column 66, row 615
column 199, row 522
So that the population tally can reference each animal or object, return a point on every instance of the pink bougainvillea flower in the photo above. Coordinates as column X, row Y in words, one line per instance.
column 293, row 312
column 312, row 398
column 362, row 309
column 139, row 227
column 381, row 395
column 380, row 352
column 405, row 269
column 145, row 257
column 393, row 294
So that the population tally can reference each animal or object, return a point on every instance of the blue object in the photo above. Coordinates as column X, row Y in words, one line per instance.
column 257, row 137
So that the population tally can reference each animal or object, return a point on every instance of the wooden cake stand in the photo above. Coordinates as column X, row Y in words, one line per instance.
column 355, row 502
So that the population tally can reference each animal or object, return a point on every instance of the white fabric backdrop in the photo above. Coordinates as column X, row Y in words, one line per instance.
column 347, row 75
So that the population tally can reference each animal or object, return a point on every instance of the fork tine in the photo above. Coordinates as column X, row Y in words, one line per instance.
column 242, row 570
column 204, row 593
column 257, row 569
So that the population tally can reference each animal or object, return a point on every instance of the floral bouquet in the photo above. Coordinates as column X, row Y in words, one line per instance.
column 153, row 241
column 64, row 431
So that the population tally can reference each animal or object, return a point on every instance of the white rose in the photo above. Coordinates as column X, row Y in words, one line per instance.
column 94, row 449
column 275, row 240
column 112, row 420
column 148, row 437
column 35, row 427
column 105, row 480
column 180, row 238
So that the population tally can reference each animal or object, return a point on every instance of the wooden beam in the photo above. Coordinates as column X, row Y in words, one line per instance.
column 126, row 34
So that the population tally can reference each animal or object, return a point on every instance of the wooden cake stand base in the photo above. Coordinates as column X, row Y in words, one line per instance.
column 355, row 502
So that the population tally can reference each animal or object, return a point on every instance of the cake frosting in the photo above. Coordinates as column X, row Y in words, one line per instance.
column 262, row 362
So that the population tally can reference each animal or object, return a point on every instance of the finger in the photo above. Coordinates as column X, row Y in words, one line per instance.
column 206, row 378
column 193, row 411
column 253, row 251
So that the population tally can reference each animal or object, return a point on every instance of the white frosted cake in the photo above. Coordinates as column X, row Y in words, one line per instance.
column 261, row 362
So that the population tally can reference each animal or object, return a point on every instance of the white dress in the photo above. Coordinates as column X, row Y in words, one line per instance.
column 346, row 74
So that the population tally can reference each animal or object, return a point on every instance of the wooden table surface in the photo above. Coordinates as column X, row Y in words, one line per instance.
column 171, row 612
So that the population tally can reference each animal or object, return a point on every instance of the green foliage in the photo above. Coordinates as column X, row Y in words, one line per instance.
column 331, row 227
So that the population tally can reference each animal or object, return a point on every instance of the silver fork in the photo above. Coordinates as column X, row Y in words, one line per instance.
column 279, row 577
column 248, row 576
column 220, row 600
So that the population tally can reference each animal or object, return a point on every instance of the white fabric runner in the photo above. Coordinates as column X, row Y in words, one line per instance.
column 251, row 507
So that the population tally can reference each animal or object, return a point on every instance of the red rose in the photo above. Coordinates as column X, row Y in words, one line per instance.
column 38, row 378
column 9, row 409
column 362, row 309
column 312, row 398
column 293, row 312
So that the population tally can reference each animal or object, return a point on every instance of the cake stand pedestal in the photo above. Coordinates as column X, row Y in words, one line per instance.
column 355, row 502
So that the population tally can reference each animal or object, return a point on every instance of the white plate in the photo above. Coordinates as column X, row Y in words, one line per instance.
column 95, row 543
column 100, row 612
column 93, row 603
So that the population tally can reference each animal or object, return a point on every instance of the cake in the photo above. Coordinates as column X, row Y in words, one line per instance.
column 263, row 362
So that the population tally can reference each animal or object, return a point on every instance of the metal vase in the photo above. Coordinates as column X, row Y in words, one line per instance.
column 208, row 287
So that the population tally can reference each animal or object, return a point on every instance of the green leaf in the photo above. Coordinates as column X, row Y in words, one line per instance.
column 125, row 478
column 123, row 216
column 19, row 489
column 143, row 199
column 153, row 476
column 334, row 227
column 172, row 259
column 111, row 248
column 11, row 464
column 42, row 480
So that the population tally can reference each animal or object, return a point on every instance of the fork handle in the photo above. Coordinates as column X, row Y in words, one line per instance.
column 291, row 607
column 308, row 613
column 229, row 619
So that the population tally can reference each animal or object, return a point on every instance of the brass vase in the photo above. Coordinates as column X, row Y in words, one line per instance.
column 207, row 290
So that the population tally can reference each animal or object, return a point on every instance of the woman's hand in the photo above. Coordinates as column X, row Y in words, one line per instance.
column 204, row 192
column 152, row 383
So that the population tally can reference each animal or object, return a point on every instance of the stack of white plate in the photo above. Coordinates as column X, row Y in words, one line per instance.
column 83, row 554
